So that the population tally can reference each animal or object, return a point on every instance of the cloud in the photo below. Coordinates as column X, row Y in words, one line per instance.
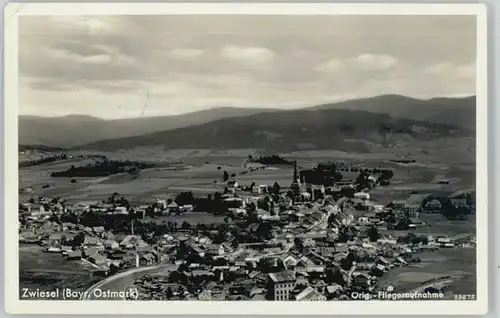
column 247, row 54
column 437, row 69
column 363, row 62
column 467, row 71
column 88, row 64
column 375, row 62
column 331, row 66
column 185, row 53
column 452, row 70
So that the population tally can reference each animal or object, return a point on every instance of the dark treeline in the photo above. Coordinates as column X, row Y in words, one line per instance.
column 102, row 169
column 39, row 148
column 271, row 160
column 213, row 204
column 324, row 177
column 42, row 161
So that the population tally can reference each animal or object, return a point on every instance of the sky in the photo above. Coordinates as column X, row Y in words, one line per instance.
column 128, row 66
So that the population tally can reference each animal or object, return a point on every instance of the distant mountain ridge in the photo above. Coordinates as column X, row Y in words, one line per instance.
column 293, row 130
column 459, row 111
column 73, row 130
column 76, row 130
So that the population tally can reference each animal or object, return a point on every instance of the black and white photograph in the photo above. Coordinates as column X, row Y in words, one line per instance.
column 318, row 157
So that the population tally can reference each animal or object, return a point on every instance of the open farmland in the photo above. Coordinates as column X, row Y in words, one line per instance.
column 51, row 271
column 459, row 263
column 200, row 171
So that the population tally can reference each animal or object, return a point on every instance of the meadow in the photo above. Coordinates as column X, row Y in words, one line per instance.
column 200, row 171
column 458, row 263
column 49, row 271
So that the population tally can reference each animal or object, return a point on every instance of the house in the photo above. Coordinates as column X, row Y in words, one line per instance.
column 201, row 274
column 362, row 279
column 53, row 249
column 232, row 184
column 289, row 260
column 87, row 252
column 147, row 259
column 187, row 208
column 387, row 241
column 98, row 230
column 205, row 295
column 172, row 207
column 280, row 285
column 260, row 189
column 378, row 270
column 91, row 241
column 111, row 244
column 334, row 291
column 66, row 226
column 117, row 254
column 98, row 259
column 103, row 270
column 214, row 249
column 65, row 249
column 54, row 239
column 416, row 222
column 29, row 237
column 433, row 206
column 108, row 235
column 130, row 241
column 310, row 294
column 362, row 196
column 443, row 240
column 397, row 204
column 121, row 210
column 75, row 255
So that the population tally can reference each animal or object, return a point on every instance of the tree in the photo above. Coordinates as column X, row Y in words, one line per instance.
column 373, row 234
column 225, row 176
column 78, row 240
column 276, row 188
column 347, row 192
column 169, row 293
column 362, row 180
column 387, row 174
column 334, row 276
column 235, row 244
column 347, row 262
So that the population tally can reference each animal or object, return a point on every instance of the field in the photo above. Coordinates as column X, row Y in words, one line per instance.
column 459, row 263
column 201, row 172
column 50, row 271
column 439, row 226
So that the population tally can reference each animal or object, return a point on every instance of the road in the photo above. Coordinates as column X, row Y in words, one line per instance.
column 122, row 281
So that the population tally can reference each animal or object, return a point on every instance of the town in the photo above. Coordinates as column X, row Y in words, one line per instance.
column 320, row 237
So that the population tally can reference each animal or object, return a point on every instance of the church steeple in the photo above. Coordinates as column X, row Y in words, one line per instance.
column 296, row 181
column 295, row 173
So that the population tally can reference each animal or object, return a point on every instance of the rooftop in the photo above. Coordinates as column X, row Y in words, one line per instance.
column 281, row 277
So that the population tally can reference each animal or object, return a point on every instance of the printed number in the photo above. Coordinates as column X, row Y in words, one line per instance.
column 465, row 297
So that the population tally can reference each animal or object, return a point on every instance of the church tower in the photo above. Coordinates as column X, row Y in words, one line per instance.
column 296, row 181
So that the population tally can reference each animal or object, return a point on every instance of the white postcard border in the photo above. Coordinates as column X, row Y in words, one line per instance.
column 15, row 306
